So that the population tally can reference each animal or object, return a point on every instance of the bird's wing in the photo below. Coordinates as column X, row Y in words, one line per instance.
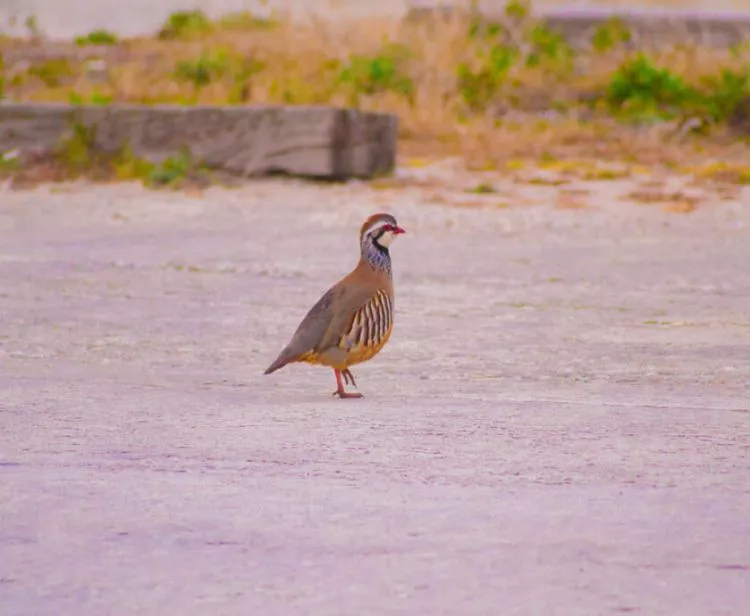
column 346, row 302
column 313, row 327
column 325, row 323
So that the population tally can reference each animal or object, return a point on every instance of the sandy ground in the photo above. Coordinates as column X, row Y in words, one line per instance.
column 68, row 18
column 559, row 425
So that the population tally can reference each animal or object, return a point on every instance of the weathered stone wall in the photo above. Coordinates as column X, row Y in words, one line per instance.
column 249, row 140
column 648, row 29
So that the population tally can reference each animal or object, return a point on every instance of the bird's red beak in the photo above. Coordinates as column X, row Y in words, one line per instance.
column 398, row 230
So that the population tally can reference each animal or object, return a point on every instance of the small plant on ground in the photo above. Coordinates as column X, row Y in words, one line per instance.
column 127, row 166
column 77, row 153
column 484, row 188
column 172, row 171
column 97, row 37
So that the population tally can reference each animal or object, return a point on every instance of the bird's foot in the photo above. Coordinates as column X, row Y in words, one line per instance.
column 349, row 379
column 347, row 394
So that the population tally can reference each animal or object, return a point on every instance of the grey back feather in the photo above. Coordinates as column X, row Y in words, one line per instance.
column 326, row 322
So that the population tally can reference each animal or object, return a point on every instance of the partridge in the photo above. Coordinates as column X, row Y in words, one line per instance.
column 353, row 320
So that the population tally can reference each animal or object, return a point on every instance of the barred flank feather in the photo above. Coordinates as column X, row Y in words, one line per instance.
column 370, row 328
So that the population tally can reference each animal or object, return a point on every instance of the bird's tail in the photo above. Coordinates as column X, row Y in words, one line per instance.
column 282, row 360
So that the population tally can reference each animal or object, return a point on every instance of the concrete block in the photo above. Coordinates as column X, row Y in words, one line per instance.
column 323, row 142
column 649, row 28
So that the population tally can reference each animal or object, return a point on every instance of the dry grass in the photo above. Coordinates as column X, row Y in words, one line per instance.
column 244, row 61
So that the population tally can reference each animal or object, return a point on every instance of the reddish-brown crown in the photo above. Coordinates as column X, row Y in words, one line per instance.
column 374, row 220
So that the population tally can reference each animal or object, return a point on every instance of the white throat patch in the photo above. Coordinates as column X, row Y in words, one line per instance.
column 386, row 239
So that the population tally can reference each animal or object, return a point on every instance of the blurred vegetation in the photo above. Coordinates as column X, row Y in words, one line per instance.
column 96, row 37
column 51, row 73
column 78, row 155
column 93, row 98
column 185, row 25
column 201, row 71
column 610, row 34
column 384, row 71
column 640, row 89
column 492, row 91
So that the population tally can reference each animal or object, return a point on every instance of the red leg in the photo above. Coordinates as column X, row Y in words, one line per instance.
column 340, row 392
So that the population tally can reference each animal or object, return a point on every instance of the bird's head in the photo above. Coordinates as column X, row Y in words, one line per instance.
column 381, row 230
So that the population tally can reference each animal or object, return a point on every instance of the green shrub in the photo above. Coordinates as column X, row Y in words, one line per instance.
column 726, row 92
column 610, row 34
column 242, row 79
column 96, row 98
column 479, row 29
column 496, row 52
column 185, row 24
column 640, row 88
column 9, row 161
column 51, row 72
column 517, row 10
column 194, row 24
column 245, row 20
column 384, row 72
column 77, row 153
column 32, row 26
column 204, row 69
column 127, row 166
column 173, row 170
column 479, row 86
column 549, row 48
column 96, row 37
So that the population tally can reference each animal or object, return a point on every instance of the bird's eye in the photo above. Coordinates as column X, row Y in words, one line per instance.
column 387, row 227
